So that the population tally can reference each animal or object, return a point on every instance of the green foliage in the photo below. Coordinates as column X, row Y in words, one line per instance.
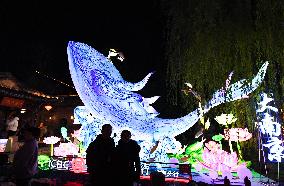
column 218, row 137
column 194, row 147
column 206, row 40
column 195, row 156
column 192, row 154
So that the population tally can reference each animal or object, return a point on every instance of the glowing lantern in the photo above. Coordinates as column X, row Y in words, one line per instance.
column 43, row 162
column 219, row 160
column 77, row 134
column 63, row 131
column 48, row 107
column 218, row 138
column 65, row 149
column 213, row 146
column 237, row 134
column 51, row 140
column 23, row 110
column 198, row 167
column 110, row 98
column 78, row 165
column 225, row 119
column 227, row 174
column 3, row 143
column 213, row 175
column 194, row 152
column 242, row 172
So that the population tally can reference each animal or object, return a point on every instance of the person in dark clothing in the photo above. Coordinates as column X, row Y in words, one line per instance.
column 247, row 181
column 227, row 181
column 98, row 157
column 127, row 160
column 25, row 159
column 157, row 179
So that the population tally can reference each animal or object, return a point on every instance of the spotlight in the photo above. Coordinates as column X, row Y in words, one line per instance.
column 48, row 107
column 23, row 110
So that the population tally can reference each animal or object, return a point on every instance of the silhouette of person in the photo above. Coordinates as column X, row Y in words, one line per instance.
column 127, row 160
column 247, row 181
column 157, row 179
column 226, row 181
column 98, row 157
column 25, row 158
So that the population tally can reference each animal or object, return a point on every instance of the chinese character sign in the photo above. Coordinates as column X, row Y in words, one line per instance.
column 269, row 129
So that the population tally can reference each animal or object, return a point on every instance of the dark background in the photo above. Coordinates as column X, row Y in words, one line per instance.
column 34, row 36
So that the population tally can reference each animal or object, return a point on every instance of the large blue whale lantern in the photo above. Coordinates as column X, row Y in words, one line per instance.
column 108, row 98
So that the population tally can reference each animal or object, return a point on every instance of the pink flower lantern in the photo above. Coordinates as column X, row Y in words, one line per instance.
column 242, row 172
column 237, row 134
column 65, row 149
column 213, row 175
column 217, row 159
column 213, row 146
column 227, row 174
column 244, row 134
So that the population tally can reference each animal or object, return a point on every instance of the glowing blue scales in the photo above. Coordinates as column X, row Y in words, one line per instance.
column 108, row 98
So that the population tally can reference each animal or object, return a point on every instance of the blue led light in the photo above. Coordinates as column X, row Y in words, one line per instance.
column 111, row 99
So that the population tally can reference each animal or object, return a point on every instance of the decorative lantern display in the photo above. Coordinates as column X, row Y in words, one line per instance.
column 65, row 149
column 43, row 162
column 51, row 140
column 78, row 165
column 211, row 156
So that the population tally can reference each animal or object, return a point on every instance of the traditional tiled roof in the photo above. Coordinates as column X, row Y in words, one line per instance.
column 10, row 86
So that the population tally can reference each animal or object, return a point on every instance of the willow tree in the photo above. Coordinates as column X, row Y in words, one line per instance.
column 206, row 40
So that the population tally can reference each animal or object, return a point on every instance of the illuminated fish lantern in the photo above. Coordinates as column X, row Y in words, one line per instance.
column 111, row 99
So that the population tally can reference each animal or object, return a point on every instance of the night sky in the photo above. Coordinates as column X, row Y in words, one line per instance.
column 34, row 36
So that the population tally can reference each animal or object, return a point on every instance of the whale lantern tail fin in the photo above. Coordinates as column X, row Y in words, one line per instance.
column 238, row 90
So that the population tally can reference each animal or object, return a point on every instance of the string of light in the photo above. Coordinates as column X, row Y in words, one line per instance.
column 54, row 79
